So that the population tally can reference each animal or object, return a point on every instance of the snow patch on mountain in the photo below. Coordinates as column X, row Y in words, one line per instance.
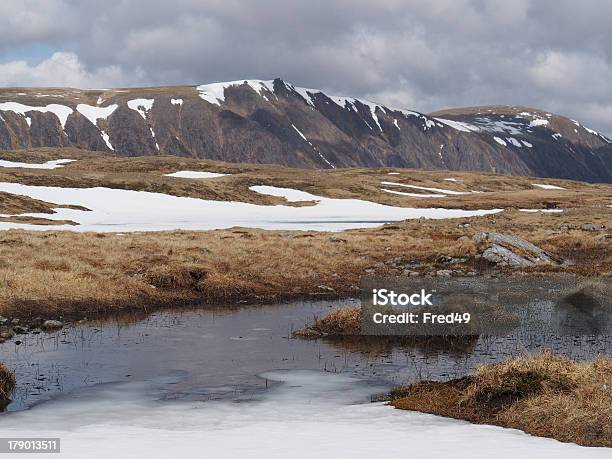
column 545, row 186
column 55, row 164
column 425, row 188
column 195, row 174
column 459, row 125
column 106, row 139
column 142, row 106
column 61, row 111
column 94, row 114
column 538, row 122
column 214, row 93
column 300, row 133
column 413, row 195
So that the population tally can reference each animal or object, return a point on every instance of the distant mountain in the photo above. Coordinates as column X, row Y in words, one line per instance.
column 275, row 122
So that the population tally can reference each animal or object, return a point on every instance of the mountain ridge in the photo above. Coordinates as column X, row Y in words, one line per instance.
column 272, row 121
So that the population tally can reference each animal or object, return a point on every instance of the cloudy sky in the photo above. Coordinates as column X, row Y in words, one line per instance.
column 424, row 55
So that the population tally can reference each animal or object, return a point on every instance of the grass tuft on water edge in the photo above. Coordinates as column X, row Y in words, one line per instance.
column 545, row 395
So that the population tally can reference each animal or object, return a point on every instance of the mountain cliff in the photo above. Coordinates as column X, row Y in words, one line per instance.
column 275, row 122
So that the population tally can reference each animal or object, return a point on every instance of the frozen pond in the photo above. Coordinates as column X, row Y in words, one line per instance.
column 229, row 382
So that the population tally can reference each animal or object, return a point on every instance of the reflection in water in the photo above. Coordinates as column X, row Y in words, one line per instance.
column 217, row 353
column 430, row 346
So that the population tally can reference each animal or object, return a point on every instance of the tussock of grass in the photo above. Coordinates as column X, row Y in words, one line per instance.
column 545, row 395
column 340, row 322
column 7, row 384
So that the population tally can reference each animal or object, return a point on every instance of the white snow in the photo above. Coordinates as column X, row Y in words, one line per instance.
column 176, row 101
column 546, row 211
column 395, row 124
column 153, row 135
column 55, row 164
column 450, row 179
column 428, row 122
column 547, row 187
column 310, row 415
column 459, row 125
column 527, row 144
column 485, row 123
column 349, row 104
column 106, row 139
column 195, row 174
column 305, row 93
column 94, row 114
column 29, row 121
column 115, row 210
column 556, row 136
column 372, row 108
column 300, row 133
column 538, row 122
column 61, row 111
column 436, row 190
column 514, row 142
column 142, row 106
column 393, row 173
column 500, row 141
column 603, row 137
column 414, row 195
column 325, row 160
column 214, row 93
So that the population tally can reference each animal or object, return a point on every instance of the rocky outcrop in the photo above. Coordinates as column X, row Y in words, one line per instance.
column 510, row 251
column 276, row 122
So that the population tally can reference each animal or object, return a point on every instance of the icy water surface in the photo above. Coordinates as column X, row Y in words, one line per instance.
column 230, row 383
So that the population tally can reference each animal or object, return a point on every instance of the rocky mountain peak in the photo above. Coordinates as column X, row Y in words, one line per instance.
column 273, row 121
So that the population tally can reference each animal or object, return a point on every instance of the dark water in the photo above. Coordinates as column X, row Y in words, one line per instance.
column 218, row 353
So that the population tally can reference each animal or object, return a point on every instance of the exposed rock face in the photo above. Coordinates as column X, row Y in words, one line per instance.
column 275, row 122
column 511, row 251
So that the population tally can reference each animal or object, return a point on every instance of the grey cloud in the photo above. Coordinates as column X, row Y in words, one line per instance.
column 552, row 54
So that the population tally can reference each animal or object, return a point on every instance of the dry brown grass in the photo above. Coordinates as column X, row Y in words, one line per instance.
column 545, row 395
column 343, row 321
column 342, row 327
column 83, row 275
column 7, row 384
column 80, row 275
